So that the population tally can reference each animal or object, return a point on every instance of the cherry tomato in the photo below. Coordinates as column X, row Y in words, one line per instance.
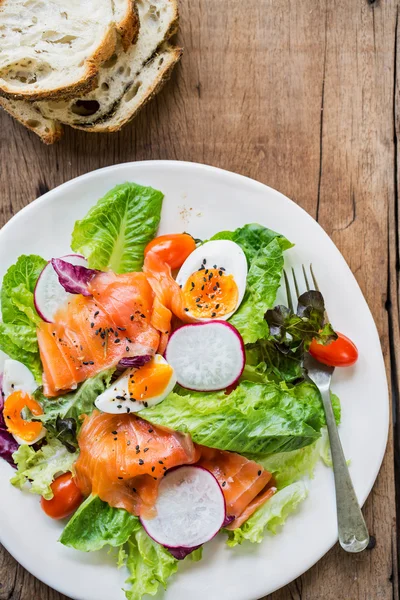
column 340, row 353
column 173, row 249
column 67, row 497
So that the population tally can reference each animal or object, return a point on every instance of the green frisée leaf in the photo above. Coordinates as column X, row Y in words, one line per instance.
column 40, row 467
column 96, row 524
column 18, row 337
column 115, row 232
column 263, row 280
column 256, row 418
column 270, row 516
column 150, row 565
column 252, row 237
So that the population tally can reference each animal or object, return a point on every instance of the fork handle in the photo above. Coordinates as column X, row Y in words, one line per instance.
column 353, row 532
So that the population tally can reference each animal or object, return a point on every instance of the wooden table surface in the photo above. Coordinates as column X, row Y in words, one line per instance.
column 303, row 96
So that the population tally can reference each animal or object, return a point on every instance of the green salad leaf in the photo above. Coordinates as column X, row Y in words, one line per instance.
column 270, row 516
column 96, row 524
column 149, row 564
column 115, row 232
column 39, row 467
column 256, row 418
column 264, row 362
column 18, row 337
column 264, row 252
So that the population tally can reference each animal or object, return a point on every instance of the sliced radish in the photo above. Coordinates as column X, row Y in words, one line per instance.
column 190, row 509
column 49, row 294
column 206, row 356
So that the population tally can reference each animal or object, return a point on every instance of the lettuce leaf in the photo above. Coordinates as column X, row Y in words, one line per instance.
column 149, row 565
column 264, row 252
column 18, row 330
column 39, row 467
column 263, row 281
column 270, row 515
column 256, row 418
column 115, row 232
column 96, row 524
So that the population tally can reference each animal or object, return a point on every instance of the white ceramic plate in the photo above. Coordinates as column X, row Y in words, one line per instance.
column 204, row 200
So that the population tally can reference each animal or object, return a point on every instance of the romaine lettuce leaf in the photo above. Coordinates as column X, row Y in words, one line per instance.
column 149, row 565
column 41, row 466
column 256, row 418
column 263, row 281
column 18, row 330
column 270, row 515
column 264, row 362
column 96, row 524
column 115, row 232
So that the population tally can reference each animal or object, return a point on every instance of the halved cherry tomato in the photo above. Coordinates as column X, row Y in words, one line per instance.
column 340, row 353
column 13, row 406
column 67, row 497
column 173, row 249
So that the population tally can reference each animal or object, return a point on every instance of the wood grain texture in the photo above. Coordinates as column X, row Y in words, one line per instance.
column 303, row 96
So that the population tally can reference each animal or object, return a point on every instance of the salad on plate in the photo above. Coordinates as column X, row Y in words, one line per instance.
column 153, row 394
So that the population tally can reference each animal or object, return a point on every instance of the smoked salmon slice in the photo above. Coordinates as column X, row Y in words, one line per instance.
column 246, row 485
column 123, row 458
column 168, row 295
column 94, row 333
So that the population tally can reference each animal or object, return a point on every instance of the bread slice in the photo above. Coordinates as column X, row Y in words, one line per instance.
column 48, row 130
column 158, row 22
column 142, row 89
column 51, row 49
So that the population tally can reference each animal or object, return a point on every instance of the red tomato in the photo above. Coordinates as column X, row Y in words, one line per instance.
column 173, row 249
column 67, row 497
column 340, row 353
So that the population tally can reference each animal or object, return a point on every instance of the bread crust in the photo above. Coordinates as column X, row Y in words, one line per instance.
column 158, row 83
column 129, row 27
column 87, row 82
column 54, row 134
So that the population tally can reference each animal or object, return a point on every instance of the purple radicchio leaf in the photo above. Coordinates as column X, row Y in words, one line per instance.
column 135, row 362
column 74, row 278
column 8, row 445
column 181, row 552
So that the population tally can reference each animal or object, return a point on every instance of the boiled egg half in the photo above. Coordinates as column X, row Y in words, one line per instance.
column 138, row 388
column 18, row 385
column 213, row 280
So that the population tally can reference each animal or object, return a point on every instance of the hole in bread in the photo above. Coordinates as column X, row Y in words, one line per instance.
column 64, row 15
column 133, row 90
column 85, row 108
column 55, row 37
column 154, row 12
column 105, row 87
column 160, row 62
column 111, row 61
column 128, row 71
column 121, row 70
column 33, row 123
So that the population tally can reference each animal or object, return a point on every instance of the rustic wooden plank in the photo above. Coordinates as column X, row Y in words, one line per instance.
column 304, row 97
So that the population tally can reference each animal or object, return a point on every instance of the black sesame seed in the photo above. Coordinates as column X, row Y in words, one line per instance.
column 128, row 443
column 259, row 473
column 117, row 341
column 145, row 450
column 120, row 397
column 223, row 483
column 127, row 348
column 210, row 276
column 141, row 462
column 214, row 266
column 120, row 477
column 198, row 299
column 204, row 261
column 137, row 447
column 128, row 410
column 92, row 325
column 122, row 328
column 199, row 306
column 151, row 430
column 217, row 306
column 143, row 316
column 115, row 439
column 145, row 404
column 160, row 462
column 119, row 405
column 96, row 313
column 202, row 287
column 153, row 469
column 132, row 317
column 214, row 314
column 222, row 268
column 220, row 273
column 114, row 432
column 134, row 490
column 186, row 309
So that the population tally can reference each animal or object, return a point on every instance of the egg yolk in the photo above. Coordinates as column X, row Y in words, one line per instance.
column 13, row 406
column 210, row 293
column 149, row 381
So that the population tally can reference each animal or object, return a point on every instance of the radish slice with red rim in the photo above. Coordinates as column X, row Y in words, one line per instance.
column 49, row 294
column 190, row 510
column 206, row 356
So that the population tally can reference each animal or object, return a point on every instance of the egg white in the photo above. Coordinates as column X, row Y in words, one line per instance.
column 109, row 402
column 223, row 253
column 18, row 378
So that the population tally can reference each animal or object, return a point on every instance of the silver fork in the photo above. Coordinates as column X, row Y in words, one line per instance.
column 353, row 532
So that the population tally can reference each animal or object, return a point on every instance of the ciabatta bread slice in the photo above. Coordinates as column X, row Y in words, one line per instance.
column 158, row 22
column 147, row 83
column 48, row 130
column 54, row 48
